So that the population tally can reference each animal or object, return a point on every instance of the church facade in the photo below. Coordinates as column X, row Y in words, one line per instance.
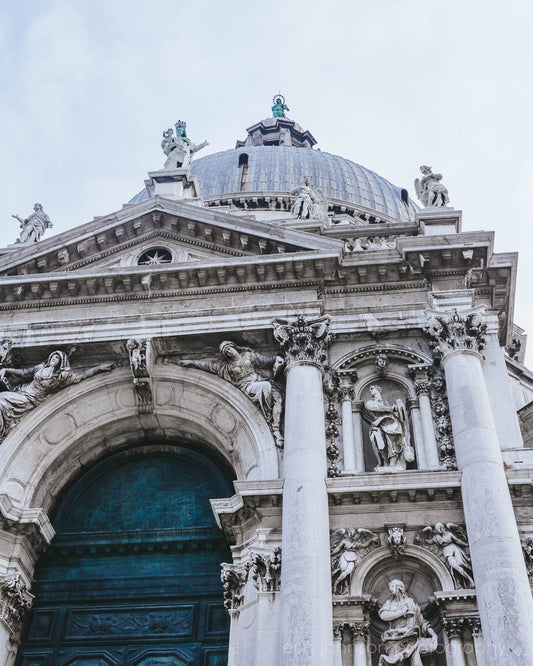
column 271, row 412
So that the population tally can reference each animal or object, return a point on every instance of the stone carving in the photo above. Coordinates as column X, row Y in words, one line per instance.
column 430, row 190
column 179, row 149
column 348, row 548
column 358, row 630
column 244, row 368
column 456, row 331
column 442, row 421
column 367, row 244
column 233, row 577
column 455, row 626
column 303, row 340
column 409, row 634
column 382, row 361
column 389, row 432
column 33, row 385
column 6, row 353
column 331, row 391
column 451, row 543
column 266, row 571
column 16, row 601
column 319, row 208
column 527, row 547
column 396, row 540
column 34, row 226
column 279, row 107
column 304, row 198
column 139, row 352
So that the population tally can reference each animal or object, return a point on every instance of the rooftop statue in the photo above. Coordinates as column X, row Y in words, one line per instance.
column 279, row 107
column 178, row 148
column 430, row 190
column 309, row 203
column 245, row 368
column 34, row 226
column 35, row 384
column 389, row 432
column 409, row 635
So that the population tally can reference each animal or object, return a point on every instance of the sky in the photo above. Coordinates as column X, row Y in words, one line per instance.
column 87, row 87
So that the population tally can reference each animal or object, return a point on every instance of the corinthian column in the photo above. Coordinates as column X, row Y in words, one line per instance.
column 306, row 604
column 502, row 586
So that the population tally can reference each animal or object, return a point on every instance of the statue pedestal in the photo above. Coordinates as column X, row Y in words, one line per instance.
column 173, row 184
column 437, row 220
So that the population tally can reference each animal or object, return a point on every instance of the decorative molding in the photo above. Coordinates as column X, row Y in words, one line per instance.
column 332, row 390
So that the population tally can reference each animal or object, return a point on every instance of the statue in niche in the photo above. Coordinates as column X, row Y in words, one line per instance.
column 389, row 432
column 430, row 190
column 244, row 368
column 179, row 149
column 409, row 635
column 451, row 540
column 34, row 226
column 35, row 384
column 348, row 547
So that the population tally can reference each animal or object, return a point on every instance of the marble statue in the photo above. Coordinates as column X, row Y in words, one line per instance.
column 36, row 384
column 244, row 368
column 179, row 149
column 319, row 208
column 389, row 432
column 430, row 190
column 451, row 540
column 409, row 635
column 304, row 200
column 34, row 226
column 348, row 547
column 279, row 107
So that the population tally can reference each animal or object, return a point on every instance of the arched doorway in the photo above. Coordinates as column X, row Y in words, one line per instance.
column 133, row 574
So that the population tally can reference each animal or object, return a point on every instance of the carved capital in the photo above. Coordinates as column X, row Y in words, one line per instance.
column 233, row 577
column 15, row 602
column 423, row 388
column 266, row 571
column 456, row 331
column 455, row 626
column 358, row 630
column 302, row 340
column 527, row 547
column 346, row 392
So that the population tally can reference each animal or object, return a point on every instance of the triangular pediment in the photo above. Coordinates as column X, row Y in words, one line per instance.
column 188, row 232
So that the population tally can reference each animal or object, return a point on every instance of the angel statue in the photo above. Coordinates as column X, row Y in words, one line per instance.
column 34, row 226
column 348, row 547
column 452, row 541
column 389, row 432
column 248, row 371
column 36, row 384
column 179, row 149
column 409, row 635
column 430, row 190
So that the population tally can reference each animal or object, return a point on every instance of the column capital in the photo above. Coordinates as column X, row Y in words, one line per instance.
column 15, row 602
column 304, row 341
column 346, row 392
column 454, row 626
column 358, row 630
column 456, row 331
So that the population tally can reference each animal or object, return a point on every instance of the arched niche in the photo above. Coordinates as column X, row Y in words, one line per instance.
column 74, row 427
column 422, row 575
column 134, row 568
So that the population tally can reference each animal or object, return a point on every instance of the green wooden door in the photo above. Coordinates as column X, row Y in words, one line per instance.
column 133, row 574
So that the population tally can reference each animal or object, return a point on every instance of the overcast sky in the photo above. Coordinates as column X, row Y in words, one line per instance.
column 86, row 88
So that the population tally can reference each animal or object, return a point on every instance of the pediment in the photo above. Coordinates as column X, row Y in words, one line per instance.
column 188, row 232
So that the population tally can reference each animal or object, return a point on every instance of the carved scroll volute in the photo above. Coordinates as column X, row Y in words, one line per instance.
column 140, row 353
column 303, row 340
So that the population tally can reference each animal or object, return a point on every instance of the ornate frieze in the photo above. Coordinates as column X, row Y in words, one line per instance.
column 233, row 577
column 455, row 331
column 22, row 389
column 16, row 601
column 249, row 372
column 139, row 351
column 449, row 542
column 304, row 340
column 266, row 570
column 348, row 548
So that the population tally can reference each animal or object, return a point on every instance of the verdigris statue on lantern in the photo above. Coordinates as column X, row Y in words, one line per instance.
column 279, row 107
column 430, row 190
column 389, row 432
column 248, row 371
column 22, row 389
column 34, row 226
column 348, row 547
column 179, row 149
column 409, row 635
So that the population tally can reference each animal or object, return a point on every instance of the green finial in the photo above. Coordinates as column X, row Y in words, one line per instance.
column 279, row 107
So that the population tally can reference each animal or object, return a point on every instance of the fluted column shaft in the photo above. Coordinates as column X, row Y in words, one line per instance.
column 306, row 600
column 502, row 586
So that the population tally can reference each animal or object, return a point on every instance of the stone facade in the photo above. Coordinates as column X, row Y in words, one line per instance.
column 348, row 368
